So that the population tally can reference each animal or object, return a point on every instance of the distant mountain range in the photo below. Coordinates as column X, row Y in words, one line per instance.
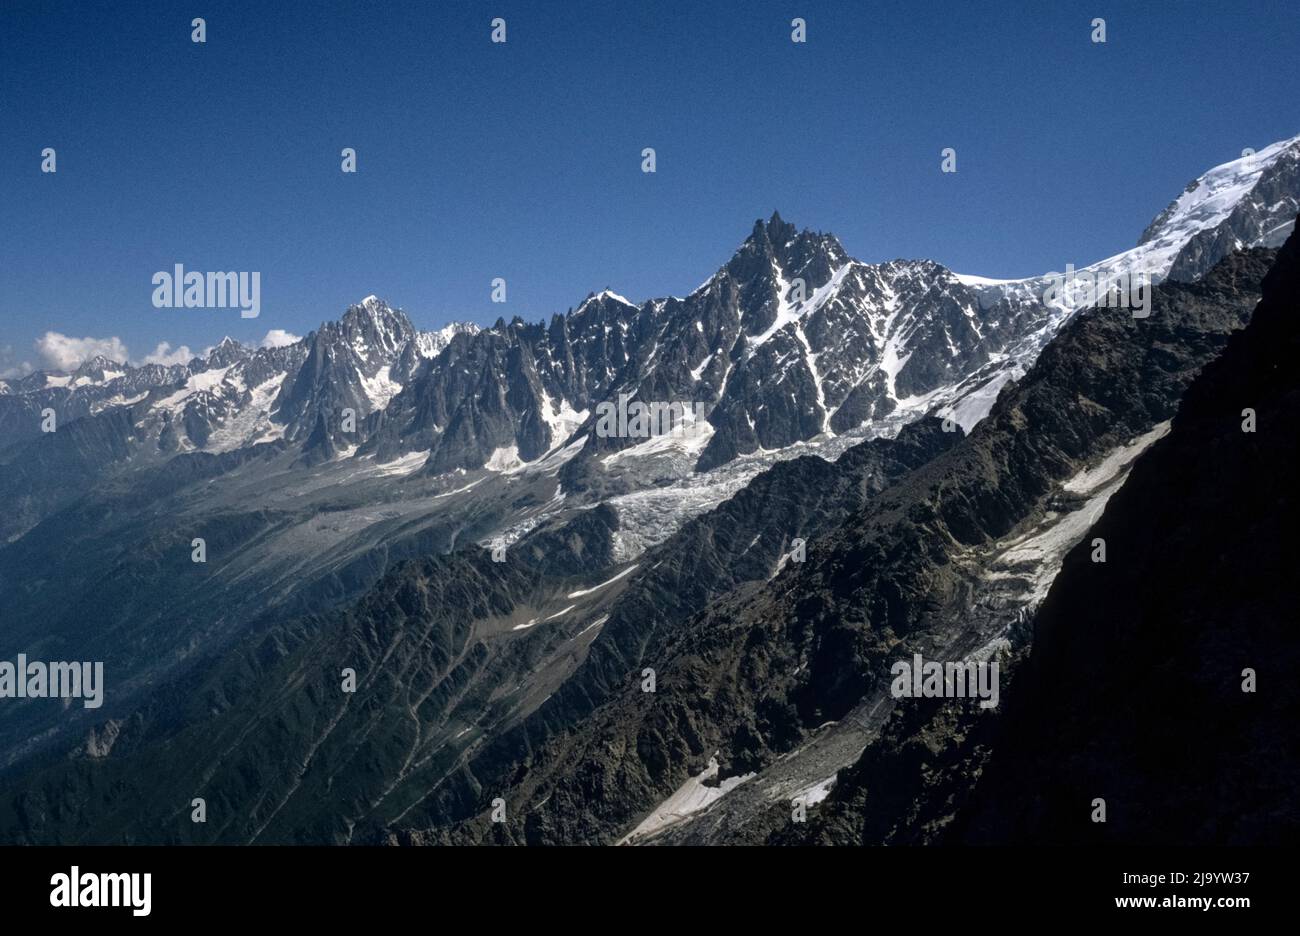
column 865, row 342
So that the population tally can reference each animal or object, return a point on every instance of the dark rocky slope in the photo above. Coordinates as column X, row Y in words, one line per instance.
column 1133, row 688
column 1133, row 691
column 264, row 731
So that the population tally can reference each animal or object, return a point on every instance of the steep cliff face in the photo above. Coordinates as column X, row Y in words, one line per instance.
column 1163, row 681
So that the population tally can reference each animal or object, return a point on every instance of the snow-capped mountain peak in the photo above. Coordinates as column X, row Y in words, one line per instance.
column 429, row 344
column 1209, row 199
column 97, row 370
column 1250, row 201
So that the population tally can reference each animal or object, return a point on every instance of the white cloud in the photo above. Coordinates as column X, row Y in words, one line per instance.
column 10, row 366
column 65, row 353
column 278, row 338
column 164, row 355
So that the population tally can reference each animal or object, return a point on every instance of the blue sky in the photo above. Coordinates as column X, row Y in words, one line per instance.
column 523, row 160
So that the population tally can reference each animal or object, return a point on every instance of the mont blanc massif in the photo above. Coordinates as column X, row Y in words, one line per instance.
column 655, row 572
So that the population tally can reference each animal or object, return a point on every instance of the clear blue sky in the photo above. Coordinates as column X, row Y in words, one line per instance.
column 523, row 160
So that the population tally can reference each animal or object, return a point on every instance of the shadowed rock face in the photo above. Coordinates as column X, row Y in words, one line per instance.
column 1134, row 689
